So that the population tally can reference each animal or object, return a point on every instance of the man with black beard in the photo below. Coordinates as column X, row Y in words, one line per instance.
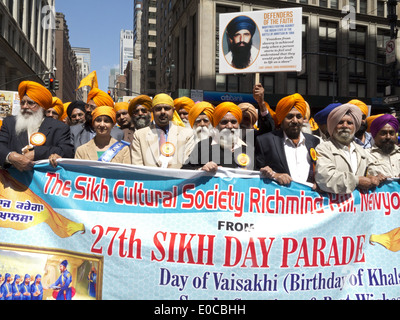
column 385, row 153
column 342, row 164
column 362, row 137
column 240, row 32
column 30, row 136
column 284, row 155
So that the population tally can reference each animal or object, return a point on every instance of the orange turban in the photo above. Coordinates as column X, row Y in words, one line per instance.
column 121, row 106
column 65, row 114
column 287, row 104
column 142, row 100
column 248, row 108
column 58, row 106
column 225, row 107
column 183, row 102
column 363, row 107
column 37, row 93
column 105, row 111
column 100, row 98
column 198, row 109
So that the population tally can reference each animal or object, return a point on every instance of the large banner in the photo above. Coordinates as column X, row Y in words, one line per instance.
column 89, row 230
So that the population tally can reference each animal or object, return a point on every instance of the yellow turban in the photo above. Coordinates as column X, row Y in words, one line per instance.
column 163, row 98
column 198, row 109
column 287, row 104
column 248, row 108
column 363, row 107
column 37, row 93
column 142, row 100
column 183, row 102
column 104, row 111
column 121, row 106
column 225, row 107
column 100, row 98
column 58, row 106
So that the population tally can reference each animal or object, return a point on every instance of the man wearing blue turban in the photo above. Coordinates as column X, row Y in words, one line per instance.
column 37, row 288
column 240, row 32
column 64, row 283
column 25, row 288
column 6, row 289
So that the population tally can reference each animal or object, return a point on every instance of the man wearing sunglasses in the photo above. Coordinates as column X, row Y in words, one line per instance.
column 31, row 136
column 288, row 154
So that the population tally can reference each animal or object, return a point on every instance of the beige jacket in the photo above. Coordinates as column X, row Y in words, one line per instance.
column 333, row 171
column 145, row 149
column 388, row 165
column 88, row 152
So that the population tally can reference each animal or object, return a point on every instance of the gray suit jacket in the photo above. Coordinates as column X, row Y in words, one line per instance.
column 82, row 134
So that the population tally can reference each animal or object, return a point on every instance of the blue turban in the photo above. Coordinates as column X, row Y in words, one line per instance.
column 241, row 23
column 322, row 116
column 64, row 263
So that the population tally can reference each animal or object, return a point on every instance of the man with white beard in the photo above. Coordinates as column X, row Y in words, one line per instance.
column 342, row 165
column 224, row 148
column 30, row 136
column 200, row 119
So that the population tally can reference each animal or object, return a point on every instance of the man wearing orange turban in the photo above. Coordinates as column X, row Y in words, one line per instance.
column 31, row 136
column 225, row 147
column 140, row 111
column 286, row 154
column 97, row 97
column 56, row 110
column 200, row 119
column 362, row 136
column 286, row 104
column 182, row 107
column 124, row 120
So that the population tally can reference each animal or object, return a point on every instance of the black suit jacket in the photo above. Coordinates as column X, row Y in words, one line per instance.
column 205, row 152
column 58, row 140
column 270, row 150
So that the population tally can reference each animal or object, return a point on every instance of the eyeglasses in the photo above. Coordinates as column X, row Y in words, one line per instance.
column 30, row 104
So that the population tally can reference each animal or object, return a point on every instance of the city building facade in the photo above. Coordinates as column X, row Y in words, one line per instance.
column 67, row 70
column 343, row 44
column 27, row 41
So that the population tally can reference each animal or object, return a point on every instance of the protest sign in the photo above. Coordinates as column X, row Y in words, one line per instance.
column 261, row 41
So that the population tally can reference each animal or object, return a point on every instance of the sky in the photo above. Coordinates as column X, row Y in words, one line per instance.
column 96, row 24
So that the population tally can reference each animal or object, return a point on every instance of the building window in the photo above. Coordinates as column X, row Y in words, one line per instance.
column 269, row 84
column 380, row 11
column 328, row 46
column 357, row 40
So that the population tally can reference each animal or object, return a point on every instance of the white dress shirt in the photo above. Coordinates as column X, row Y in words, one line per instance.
column 298, row 158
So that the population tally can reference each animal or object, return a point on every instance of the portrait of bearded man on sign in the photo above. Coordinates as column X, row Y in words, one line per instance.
column 240, row 35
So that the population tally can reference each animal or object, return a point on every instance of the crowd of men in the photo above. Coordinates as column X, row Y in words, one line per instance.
column 339, row 149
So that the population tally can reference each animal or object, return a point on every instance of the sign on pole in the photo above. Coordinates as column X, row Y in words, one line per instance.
column 391, row 51
column 261, row 41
